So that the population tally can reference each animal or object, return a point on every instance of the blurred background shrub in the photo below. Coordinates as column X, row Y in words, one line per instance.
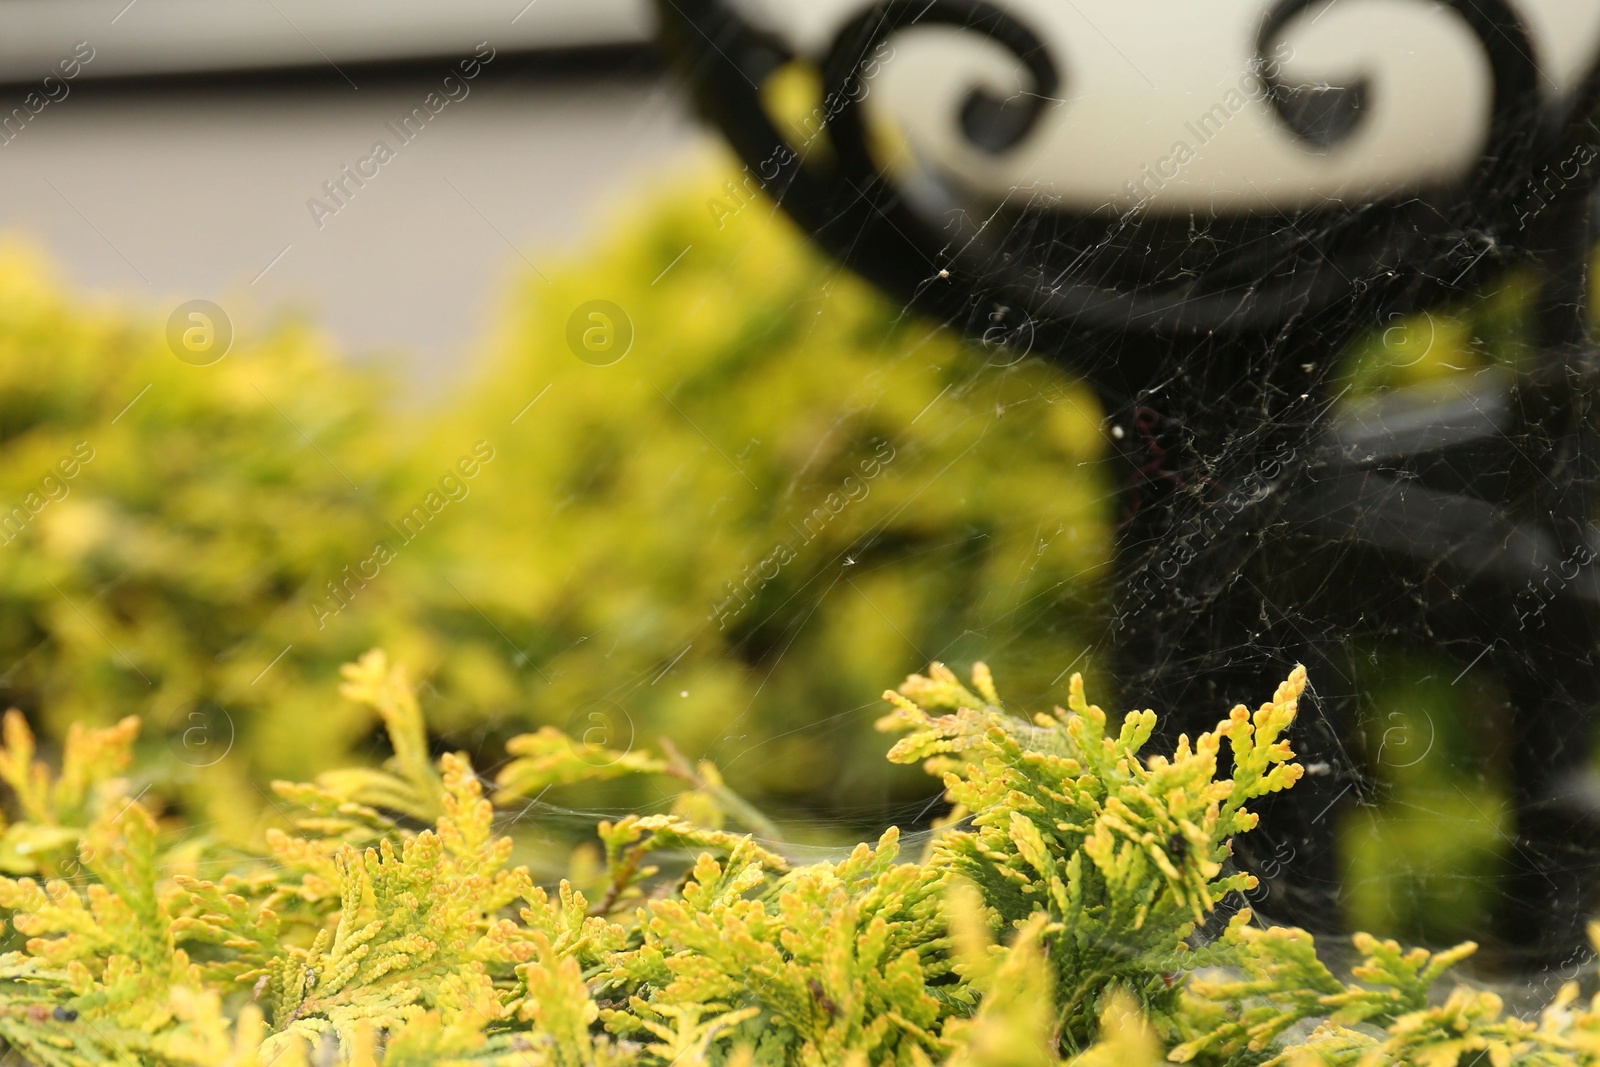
column 786, row 495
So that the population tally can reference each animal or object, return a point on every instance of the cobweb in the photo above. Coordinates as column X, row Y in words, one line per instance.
column 1391, row 487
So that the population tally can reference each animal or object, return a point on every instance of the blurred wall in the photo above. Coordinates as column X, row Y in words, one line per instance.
column 185, row 188
column 168, row 36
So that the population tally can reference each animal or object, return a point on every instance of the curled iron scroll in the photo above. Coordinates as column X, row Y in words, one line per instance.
column 1515, row 132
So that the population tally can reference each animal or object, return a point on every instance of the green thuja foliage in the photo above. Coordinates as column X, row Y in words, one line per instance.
column 1065, row 912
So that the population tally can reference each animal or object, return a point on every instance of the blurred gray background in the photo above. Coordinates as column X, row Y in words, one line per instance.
column 178, row 163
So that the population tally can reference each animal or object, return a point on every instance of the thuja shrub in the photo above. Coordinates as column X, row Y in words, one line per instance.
column 1075, row 907
column 157, row 521
column 784, row 470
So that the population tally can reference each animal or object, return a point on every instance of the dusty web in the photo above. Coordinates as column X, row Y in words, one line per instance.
column 1345, row 431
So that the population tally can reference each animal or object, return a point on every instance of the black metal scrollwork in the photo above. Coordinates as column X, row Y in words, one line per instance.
column 1093, row 276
